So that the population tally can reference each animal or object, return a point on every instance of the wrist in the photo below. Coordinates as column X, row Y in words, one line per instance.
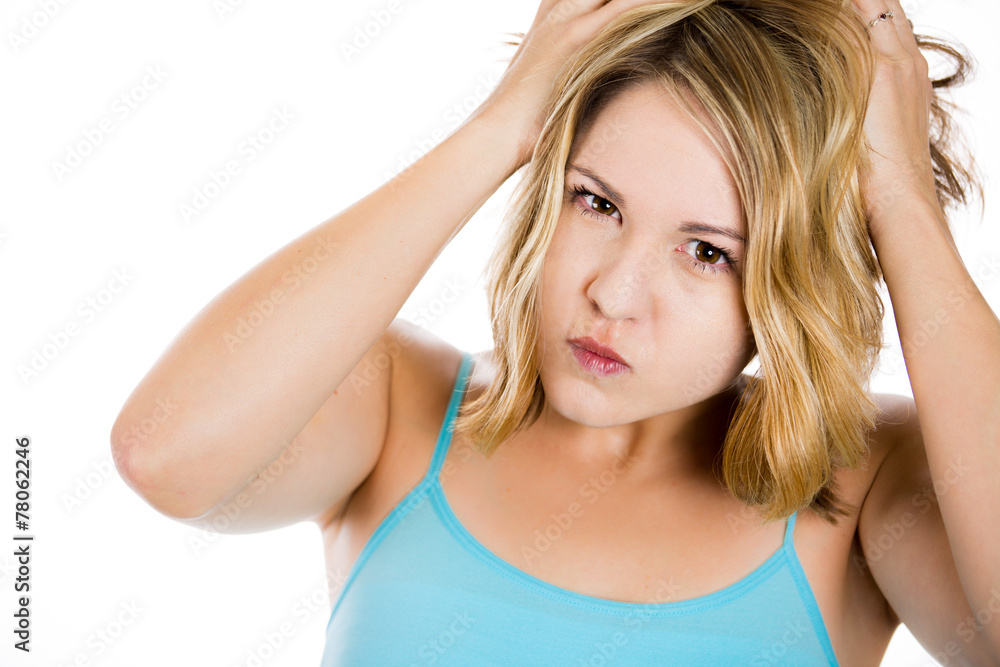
column 909, row 213
column 516, row 135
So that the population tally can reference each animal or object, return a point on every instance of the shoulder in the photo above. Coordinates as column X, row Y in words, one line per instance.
column 897, row 413
column 895, row 418
column 425, row 369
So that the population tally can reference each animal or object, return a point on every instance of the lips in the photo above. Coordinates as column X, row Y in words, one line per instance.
column 606, row 351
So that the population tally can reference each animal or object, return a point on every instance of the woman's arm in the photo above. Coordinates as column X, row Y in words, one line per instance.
column 258, row 362
column 255, row 365
column 942, row 570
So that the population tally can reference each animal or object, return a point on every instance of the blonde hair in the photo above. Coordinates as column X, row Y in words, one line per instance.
column 785, row 85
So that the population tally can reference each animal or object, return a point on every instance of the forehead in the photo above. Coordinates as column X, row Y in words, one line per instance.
column 645, row 144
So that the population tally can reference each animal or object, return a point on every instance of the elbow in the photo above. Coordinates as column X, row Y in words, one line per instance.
column 160, row 486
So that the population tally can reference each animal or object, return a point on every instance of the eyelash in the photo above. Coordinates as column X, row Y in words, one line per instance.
column 579, row 190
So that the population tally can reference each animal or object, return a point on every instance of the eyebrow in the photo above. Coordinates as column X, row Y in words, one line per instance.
column 689, row 227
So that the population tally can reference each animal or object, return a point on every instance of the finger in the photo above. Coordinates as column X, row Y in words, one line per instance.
column 543, row 10
column 882, row 33
column 867, row 10
column 907, row 39
column 563, row 10
column 614, row 8
column 546, row 6
column 902, row 25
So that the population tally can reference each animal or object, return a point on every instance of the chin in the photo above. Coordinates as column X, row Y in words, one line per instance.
column 588, row 406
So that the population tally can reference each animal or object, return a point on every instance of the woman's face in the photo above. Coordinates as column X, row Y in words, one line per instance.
column 635, row 267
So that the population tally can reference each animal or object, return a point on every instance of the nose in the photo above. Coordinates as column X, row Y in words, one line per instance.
column 622, row 284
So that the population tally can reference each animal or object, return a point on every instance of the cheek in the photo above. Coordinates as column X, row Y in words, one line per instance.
column 732, row 319
column 733, row 340
column 563, row 259
column 705, row 327
column 552, row 280
column 699, row 353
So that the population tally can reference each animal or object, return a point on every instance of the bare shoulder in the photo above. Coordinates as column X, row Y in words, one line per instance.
column 418, row 364
column 894, row 416
column 897, row 415
column 832, row 555
column 424, row 370
column 424, row 374
column 896, row 421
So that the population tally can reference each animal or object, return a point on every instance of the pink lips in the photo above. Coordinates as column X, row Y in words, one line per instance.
column 597, row 358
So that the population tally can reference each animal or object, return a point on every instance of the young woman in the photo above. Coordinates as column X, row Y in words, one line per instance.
column 707, row 183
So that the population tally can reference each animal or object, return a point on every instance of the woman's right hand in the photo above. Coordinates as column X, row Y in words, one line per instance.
column 560, row 28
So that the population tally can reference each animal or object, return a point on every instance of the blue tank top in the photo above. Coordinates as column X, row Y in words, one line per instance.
column 424, row 591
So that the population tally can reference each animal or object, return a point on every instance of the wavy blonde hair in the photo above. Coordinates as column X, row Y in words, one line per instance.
column 784, row 85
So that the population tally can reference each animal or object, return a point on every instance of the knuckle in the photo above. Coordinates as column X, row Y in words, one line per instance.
column 575, row 31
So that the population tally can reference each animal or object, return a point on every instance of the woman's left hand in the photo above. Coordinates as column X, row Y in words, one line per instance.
column 898, row 118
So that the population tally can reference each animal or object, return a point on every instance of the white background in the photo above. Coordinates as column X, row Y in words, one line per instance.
column 100, row 550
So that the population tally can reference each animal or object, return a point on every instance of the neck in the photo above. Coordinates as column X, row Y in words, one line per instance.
column 675, row 445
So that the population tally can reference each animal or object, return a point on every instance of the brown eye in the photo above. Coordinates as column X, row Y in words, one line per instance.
column 707, row 253
column 707, row 257
column 603, row 206
column 598, row 206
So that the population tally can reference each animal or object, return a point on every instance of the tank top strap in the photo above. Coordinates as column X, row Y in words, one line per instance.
column 444, row 435
column 790, row 530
